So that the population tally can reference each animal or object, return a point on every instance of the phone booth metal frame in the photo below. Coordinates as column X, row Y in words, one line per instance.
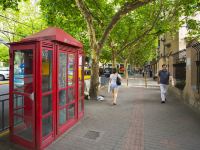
column 46, row 87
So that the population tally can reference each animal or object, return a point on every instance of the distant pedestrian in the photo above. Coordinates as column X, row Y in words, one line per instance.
column 143, row 73
column 113, row 85
column 163, row 80
column 150, row 73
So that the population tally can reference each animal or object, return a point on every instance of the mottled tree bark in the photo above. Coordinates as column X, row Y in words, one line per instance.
column 113, row 58
column 94, row 82
column 126, row 70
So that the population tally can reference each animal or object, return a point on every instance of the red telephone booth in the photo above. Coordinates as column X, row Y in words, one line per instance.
column 46, row 87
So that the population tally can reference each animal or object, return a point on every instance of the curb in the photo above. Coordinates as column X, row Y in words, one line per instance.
column 2, row 83
column 3, row 133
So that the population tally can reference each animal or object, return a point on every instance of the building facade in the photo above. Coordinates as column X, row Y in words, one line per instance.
column 182, row 59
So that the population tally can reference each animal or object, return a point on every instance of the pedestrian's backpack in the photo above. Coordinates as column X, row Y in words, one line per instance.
column 118, row 81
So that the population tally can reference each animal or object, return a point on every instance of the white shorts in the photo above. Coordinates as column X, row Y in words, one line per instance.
column 113, row 86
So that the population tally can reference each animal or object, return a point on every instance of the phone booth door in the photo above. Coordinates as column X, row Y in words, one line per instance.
column 22, row 96
column 80, row 85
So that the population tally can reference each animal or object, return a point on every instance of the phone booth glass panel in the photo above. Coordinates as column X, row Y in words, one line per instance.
column 62, row 92
column 47, row 93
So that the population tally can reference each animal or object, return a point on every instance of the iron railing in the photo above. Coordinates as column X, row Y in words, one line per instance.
column 4, row 112
column 197, row 48
column 179, row 57
column 179, row 64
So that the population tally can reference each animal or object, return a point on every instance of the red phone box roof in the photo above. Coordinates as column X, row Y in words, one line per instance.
column 54, row 34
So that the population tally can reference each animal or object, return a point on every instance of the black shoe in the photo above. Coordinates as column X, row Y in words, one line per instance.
column 162, row 101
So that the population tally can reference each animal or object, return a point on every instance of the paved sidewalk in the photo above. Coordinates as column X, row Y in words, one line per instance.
column 138, row 122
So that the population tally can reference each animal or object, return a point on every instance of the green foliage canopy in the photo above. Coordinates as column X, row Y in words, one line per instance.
column 4, row 4
column 15, row 25
column 4, row 53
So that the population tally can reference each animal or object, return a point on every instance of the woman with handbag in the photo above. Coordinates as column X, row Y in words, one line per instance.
column 115, row 82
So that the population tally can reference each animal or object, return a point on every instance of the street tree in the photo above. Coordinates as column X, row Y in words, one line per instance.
column 106, row 54
column 135, row 27
column 96, row 43
column 65, row 15
column 4, row 55
column 149, row 23
column 15, row 24
column 99, row 24
column 134, row 30
column 13, row 4
column 97, row 19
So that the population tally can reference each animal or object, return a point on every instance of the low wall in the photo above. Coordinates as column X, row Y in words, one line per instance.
column 188, row 97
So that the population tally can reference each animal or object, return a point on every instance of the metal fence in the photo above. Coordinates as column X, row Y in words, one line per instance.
column 197, row 48
column 179, row 59
column 4, row 112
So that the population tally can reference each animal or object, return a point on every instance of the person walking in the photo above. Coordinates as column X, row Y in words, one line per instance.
column 113, row 85
column 143, row 73
column 163, row 80
column 150, row 73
